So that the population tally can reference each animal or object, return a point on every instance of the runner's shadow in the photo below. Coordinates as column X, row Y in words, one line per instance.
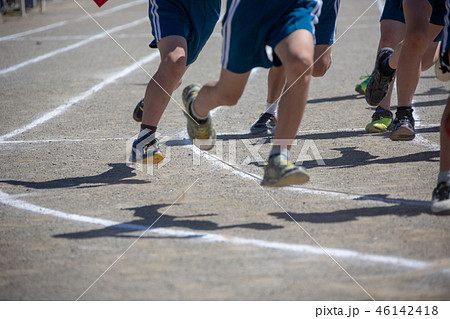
column 117, row 174
column 431, row 103
column 352, row 157
column 355, row 96
column 331, row 135
column 151, row 217
column 347, row 215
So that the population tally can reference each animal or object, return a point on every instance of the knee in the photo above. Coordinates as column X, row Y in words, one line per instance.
column 175, row 65
column 299, row 65
column 320, row 68
column 417, row 40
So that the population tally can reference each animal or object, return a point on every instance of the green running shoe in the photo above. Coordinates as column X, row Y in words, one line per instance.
column 361, row 87
column 201, row 133
column 279, row 172
column 381, row 121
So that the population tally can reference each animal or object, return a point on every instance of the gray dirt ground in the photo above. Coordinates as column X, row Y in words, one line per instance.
column 70, row 206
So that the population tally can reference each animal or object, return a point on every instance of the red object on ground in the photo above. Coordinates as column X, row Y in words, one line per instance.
column 100, row 2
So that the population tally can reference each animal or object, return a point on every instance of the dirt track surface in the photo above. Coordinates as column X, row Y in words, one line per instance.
column 71, row 207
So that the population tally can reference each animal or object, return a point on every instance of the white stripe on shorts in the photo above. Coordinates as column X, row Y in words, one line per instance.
column 316, row 11
column 227, row 32
column 155, row 19
column 337, row 3
column 445, row 36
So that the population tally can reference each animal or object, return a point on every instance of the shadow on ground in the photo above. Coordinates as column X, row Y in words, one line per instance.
column 117, row 174
column 347, row 215
column 150, row 217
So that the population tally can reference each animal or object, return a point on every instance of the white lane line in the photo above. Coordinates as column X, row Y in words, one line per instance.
column 44, row 28
column 419, row 139
column 66, row 140
column 303, row 132
column 60, row 109
column 82, row 37
column 8, row 200
column 61, row 23
column 341, row 195
column 72, row 46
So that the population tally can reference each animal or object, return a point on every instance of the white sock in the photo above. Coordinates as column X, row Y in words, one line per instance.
column 282, row 151
column 444, row 177
column 271, row 108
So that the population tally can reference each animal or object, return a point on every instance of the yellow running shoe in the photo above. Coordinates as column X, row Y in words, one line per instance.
column 201, row 133
column 279, row 172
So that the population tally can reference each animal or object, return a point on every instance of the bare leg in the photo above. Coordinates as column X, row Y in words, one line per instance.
column 296, row 52
column 322, row 59
column 275, row 83
column 392, row 33
column 445, row 139
column 173, row 50
column 431, row 56
column 226, row 91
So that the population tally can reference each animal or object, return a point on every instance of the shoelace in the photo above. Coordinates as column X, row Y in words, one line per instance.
column 265, row 117
column 366, row 78
column 378, row 114
column 441, row 192
column 203, row 132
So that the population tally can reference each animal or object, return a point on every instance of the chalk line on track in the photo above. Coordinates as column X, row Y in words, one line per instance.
column 98, row 36
column 340, row 253
column 65, row 22
column 7, row 199
column 63, row 107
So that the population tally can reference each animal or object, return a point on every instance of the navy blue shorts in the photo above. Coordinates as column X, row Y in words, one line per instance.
column 446, row 31
column 326, row 27
column 393, row 10
column 193, row 20
column 251, row 25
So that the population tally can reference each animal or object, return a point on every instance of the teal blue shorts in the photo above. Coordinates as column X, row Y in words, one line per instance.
column 193, row 20
column 251, row 25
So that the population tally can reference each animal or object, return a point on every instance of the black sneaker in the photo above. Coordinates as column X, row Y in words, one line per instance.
column 137, row 113
column 403, row 126
column 266, row 124
column 440, row 202
column 378, row 85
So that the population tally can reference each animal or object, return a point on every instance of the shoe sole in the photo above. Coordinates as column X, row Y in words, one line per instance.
column 444, row 77
column 262, row 132
column 135, row 112
column 374, row 129
column 403, row 133
column 155, row 159
column 360, row 90
column 441, row 208
column 296, row 178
